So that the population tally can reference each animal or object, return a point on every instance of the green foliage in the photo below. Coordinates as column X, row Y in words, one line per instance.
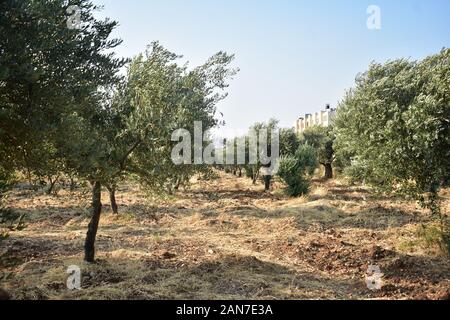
column 322, row 140
column 294, row 169
column 3, row 235
column 394, row 130
column 252, row 167
column 288, row 145
column 159, row 97
column 10, row 221
column 64, row 109
column 50, row 77
column 248, row 171
column 435, row 236
column 357, row 172
column 395, row 125
column 270, row 127
column 7, row 179
column 289, row 142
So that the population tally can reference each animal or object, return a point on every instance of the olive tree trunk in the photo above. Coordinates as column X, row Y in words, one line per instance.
column 51, row 184
column 328, row 171
column 89, row 245
column 255, row 176
column 112, row 199
column 267, row 180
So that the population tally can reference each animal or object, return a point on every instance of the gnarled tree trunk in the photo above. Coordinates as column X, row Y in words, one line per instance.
column 52, row 184
column 112, row 199
column 267, row 180
column 89, row 245
column 73, row 184
column 328, row 171
column 255, row 176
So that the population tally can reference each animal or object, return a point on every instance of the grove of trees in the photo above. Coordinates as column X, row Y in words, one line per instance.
column 70, row 109
column 392, row 131
column 65, row 109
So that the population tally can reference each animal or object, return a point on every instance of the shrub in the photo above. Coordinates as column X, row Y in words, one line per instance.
column 7, row 180
column 294, row 169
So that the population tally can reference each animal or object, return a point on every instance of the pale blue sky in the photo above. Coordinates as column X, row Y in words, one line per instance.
column 294, row 56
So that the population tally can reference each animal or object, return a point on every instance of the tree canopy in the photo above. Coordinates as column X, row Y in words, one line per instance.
column 65, row 108
column 395, row 127
column 322, row 140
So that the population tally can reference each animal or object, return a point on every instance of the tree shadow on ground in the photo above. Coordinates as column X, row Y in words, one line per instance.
column 235, row 194
column 417, row 277
column 416, row 268
column 221, row 276
column 326, row 217
column 225, row 277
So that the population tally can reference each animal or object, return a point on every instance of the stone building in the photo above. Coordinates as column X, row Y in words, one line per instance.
column 322, row 118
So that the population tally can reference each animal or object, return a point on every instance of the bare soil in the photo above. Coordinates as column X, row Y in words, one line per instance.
column 225, row 239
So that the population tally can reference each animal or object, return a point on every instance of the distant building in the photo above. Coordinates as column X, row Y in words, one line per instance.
column 321, row 118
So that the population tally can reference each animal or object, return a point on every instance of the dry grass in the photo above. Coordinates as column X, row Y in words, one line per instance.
column 225, row 239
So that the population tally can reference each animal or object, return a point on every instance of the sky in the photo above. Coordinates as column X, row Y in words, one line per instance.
column 295, row 56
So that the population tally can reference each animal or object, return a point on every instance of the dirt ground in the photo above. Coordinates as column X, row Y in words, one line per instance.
column 225, row 239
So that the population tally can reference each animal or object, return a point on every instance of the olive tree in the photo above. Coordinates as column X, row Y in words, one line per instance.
column 263, row 130
column 49, row 71
column 289, row 142
column 295, row 168
column 134, row 133
column 322, row 140
column 395, row 124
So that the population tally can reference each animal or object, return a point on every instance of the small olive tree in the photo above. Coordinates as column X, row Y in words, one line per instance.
column 294, row 169
column 133, row 134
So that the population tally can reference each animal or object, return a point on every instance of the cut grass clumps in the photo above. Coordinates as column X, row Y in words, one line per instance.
column 247, row 245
